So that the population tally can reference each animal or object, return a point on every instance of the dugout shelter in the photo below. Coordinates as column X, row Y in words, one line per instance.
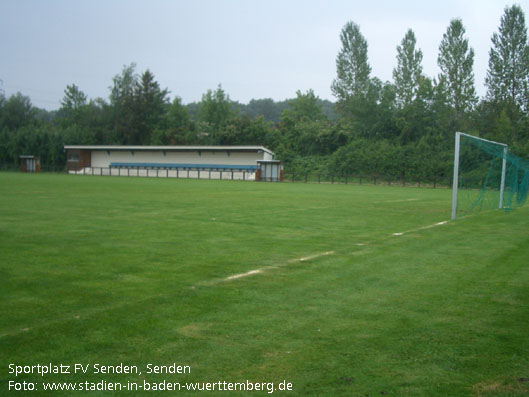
column 29, row 163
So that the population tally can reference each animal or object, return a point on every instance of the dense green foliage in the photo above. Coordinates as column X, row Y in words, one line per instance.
column 400, row 128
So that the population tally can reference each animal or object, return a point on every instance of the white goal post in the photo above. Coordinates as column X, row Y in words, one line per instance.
column 455, row 184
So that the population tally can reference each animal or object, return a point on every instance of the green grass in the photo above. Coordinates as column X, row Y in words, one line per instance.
column 131, row 270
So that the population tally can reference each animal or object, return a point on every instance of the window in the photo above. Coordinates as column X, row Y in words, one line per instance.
column 73, row 155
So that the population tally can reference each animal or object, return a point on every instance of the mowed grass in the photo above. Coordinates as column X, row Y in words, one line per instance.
column 133, row 270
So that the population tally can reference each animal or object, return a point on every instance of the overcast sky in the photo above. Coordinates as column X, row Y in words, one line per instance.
column 253, row 48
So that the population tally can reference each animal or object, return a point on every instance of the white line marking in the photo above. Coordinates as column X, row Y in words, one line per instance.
column 263, row 269
column 308, row 258
column 243, row 274
column 396, row 201
column 421, row 228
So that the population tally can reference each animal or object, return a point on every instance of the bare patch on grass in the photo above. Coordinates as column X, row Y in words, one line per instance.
column 193, row 330
column 499, row 388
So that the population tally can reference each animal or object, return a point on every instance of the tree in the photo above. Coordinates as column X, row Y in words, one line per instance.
column 215, row 110
column 17, row 111
column 177, row 127
column 456, row 60
column 415, row 119
column 305, row 129
column 178, row 115
column 408, row 70
column 264, row 107
column 150, row 104
column 73, row 109
column 507, row 75
column 73, row 99
column 352, row 65
column 124, row 84
column 122, row 101
column 138, row 105
column 305, row 107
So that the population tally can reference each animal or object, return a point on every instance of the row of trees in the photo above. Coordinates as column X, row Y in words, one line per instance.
column 403, row 127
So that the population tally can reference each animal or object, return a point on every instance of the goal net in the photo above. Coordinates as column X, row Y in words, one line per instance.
column 486, row 176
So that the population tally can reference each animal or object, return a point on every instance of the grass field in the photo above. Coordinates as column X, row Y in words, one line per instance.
column 338, row 289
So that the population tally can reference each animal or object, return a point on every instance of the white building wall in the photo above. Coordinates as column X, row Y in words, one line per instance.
column 102, row 158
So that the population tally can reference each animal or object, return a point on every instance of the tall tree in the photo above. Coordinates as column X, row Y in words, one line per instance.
column 414, row 119
column 456, row 61
column 150, row 105
column 408, row 70
column 215, row 110
column 507, row 76
column 122, row 100
column 73, row 109
column 73, row 99
column 352, row 65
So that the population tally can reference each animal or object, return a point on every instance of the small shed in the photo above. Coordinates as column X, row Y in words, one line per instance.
column 29, row 163
column 269, row 171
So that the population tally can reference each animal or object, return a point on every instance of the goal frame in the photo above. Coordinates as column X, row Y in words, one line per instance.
column 455, row 183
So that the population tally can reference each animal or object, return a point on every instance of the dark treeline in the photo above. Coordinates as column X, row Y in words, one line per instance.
column 403, row 128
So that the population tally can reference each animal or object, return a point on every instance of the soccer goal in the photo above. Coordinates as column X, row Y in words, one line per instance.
column 486, row 176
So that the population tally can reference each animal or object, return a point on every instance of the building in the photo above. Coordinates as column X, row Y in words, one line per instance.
column 29, row 163
column 269, row 171
column 205, row 162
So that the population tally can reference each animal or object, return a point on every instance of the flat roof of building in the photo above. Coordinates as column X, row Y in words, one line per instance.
column 173, row 148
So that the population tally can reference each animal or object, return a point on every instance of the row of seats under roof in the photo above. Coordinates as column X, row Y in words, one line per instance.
column 183, row 166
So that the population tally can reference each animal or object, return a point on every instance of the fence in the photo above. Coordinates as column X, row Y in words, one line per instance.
column 159, row 172
column 433, row 182
column 292, row 177
column 43, row 168
column 194, row 173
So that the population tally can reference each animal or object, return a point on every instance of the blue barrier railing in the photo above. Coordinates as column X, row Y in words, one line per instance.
column 182, row 166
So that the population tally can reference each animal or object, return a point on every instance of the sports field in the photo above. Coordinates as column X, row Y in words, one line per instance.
column 335, row 289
